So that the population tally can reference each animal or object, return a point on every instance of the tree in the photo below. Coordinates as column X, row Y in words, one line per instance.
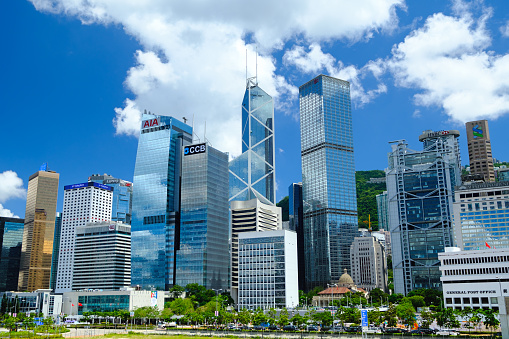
column 199, row 294
column 431, row 297
column 181, row 306
column 259, row 317
column 244, row 316
column 375, row 317
column 271, row 314
column 406, row 312
column 490, row 319
column 446, row 317
column 416, row 301
column 391, row 316
column 396, row 298
column 3, row 306
column 323, row 318
column 177, row 291
column 283, row 317
column 298, row 320
column 377, row 295
column 427, row 318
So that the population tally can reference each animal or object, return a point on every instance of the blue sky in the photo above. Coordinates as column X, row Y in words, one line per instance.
column 77, row 74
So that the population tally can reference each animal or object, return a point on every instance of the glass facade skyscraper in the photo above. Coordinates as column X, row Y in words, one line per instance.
column 295, row 212
column 328, row 179
column 121, row 208
column 252, row 174
column 56, row 251
column 11, row 236
column 38, row 233
column 155, row 221
column 420, row 192
column 203, row 255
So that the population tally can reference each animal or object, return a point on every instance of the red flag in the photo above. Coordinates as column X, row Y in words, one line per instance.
column 72, row 304
column 487, row 245
column 80, row 304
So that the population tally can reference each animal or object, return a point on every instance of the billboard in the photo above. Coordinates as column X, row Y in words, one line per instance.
column 153, row 298
column 195, row 149
column 88, row 184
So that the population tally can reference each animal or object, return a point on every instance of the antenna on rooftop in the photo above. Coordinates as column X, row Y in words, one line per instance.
column 256, row 62
column 185, row 120
column 246, row 64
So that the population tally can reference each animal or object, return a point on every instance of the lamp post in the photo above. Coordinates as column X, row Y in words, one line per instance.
column 217, row 294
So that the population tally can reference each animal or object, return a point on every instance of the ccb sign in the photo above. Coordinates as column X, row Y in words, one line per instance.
column 195, row 149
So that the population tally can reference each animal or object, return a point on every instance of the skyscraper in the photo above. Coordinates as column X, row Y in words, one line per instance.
column 252, row 173
column 83, row 203
column 295, row 212
column 328, row 179
column 102, row 256
column 11, row 236
column 420, row 192
column 56, row 251
column 369, row 264
column 203, row 255
column 37, row 247
column 479, row 149
column 121, row 208
column 155, row 225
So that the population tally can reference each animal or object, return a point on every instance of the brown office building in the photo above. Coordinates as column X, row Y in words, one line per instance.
column 37, row 248
column 479, row 149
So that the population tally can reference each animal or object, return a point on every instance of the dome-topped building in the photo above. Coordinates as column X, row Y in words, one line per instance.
column 336, row 291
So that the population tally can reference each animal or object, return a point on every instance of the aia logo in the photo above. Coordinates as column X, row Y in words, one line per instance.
column 150, row 123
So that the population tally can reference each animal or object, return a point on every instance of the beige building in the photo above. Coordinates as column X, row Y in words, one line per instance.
column 336, row 291
column 249, row 216
column 369, row 263
column 479, row 149
column 39, row 229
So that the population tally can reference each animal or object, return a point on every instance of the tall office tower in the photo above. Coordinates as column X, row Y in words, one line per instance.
column 382, row 210
column 479, row 149
column 384, row 237
column 253, row 173
column 328, row 179
column 420, row 191
column 295, row 207
column 56, row 251
column 83, row 203
column 37, row 247
column 369, row 264
column 11, row 237
column 480, row 212
column 249, row 216
column 122, row 196
column 155, row 225
column 102, row 256
column 268, row 270
column 203, row 257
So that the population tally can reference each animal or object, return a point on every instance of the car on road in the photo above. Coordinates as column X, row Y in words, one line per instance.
column 394, row 330
column 337, row 329
column 311, row 328
column 353, row 329
column 447, row 332
column 374, row 330
column 289, row 328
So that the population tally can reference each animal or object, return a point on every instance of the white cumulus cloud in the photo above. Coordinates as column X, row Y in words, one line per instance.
column 315, row 60
column 4, row 212
column 193, row 57
column 448, row 60
column 11, row 186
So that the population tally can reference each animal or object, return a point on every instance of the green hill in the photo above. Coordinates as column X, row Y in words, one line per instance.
column 366, row 196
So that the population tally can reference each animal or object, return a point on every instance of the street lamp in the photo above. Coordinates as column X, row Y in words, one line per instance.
column 217, row 294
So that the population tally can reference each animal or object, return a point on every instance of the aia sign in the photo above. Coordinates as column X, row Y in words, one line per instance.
column 150, row 123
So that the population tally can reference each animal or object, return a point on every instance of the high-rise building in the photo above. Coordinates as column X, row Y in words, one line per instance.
column 203, row 256
column 83, row 203
column 155, row 225
column 268, row 270
column 480, row 211
column 479, row 149
column 37, row 247
column 384, row 237
column 56, row 251
column 328, row 179
column 11, row 237
column 383, row 210
column 295, row 211
column 102, row 256
column 420, row 191
column 252, row 174
column 369, row 264
column 249, row 216
column 121, row 209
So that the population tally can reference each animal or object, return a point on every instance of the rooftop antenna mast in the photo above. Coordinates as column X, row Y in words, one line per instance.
column 256, row 64
column 194, row 133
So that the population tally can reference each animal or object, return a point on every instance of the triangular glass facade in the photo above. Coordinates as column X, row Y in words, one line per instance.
column 252, row 173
